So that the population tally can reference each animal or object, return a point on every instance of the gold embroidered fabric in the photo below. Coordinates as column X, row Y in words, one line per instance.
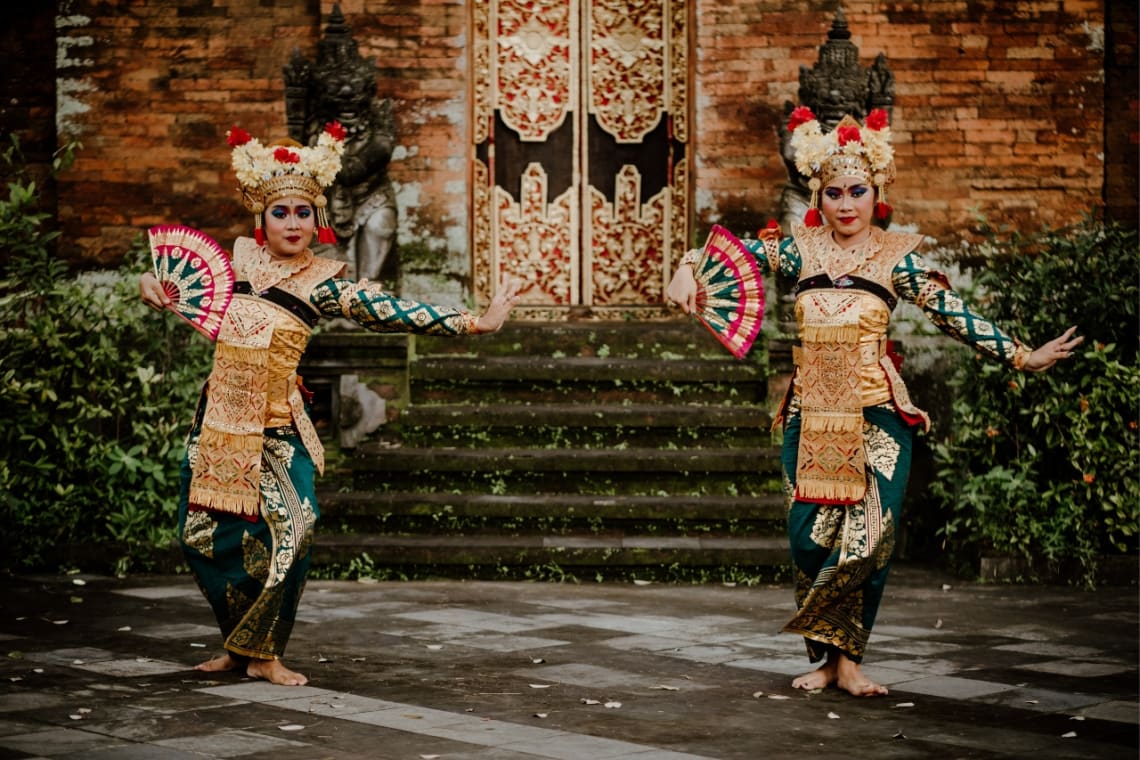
column 840, row 365
column 831, row 461
column 253, row 384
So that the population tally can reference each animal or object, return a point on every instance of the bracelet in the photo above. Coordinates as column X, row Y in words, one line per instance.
column 471, row 323
column 692, row 257
column 1020, row 357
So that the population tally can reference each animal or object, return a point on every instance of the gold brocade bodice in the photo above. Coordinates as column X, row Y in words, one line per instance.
column 874, row 317
column 289, row 339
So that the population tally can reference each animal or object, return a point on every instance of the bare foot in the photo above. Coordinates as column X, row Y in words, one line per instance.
column 850, row 678
column 820, row 678
column 225, row 662
column 274, row 671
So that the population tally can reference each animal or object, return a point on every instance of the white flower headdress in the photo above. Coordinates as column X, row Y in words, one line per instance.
column 850, row 149
column 285, row 168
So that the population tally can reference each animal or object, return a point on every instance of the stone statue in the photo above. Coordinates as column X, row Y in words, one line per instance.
column 835, row 86
column 341, row 85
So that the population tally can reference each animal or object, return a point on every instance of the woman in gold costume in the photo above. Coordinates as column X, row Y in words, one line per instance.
column 848, row 421
column 248, row 504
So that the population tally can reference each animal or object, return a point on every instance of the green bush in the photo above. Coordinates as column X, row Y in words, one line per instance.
column 1043, row 467
column 97, row 392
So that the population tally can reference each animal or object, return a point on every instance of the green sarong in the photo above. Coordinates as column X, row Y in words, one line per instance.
column 842, row 553
column 253, row 570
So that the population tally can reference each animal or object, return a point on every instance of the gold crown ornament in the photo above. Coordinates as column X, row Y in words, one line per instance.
column 284, row 169
column 849, row 150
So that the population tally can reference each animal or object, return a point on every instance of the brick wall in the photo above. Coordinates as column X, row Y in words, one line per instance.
column 1000, row 106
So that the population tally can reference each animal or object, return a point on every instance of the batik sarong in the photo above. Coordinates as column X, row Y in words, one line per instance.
column 252, row 570
column 842, row 553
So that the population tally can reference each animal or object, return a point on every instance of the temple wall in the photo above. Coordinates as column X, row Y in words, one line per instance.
column 1000, row 108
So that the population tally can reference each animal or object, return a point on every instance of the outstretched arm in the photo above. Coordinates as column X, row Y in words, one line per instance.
column 930, row 290
column 370, row 307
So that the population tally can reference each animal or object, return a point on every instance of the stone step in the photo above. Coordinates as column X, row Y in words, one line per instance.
column 460, row 554
column 695, row 416
column 611, row 509
column 371, row 458
column 681, row 337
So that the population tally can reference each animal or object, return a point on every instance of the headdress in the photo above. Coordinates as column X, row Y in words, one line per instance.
column 849, row 150
column 285, row 168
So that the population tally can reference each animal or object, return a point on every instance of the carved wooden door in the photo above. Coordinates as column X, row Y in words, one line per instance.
column 580, row 161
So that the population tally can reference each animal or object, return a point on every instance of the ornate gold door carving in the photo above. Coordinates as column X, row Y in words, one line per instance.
column 580, row 161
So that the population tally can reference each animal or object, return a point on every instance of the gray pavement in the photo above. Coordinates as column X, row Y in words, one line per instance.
column 100, row 667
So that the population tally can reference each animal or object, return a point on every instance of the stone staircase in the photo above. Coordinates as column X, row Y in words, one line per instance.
column 570, row 449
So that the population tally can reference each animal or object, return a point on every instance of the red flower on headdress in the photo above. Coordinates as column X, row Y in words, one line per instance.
column 848, row 135
column 336, row 130
column 286, row 156
column 876, row 120
column 801, row 115
column 237, row 136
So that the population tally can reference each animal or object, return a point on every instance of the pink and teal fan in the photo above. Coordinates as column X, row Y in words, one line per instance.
column 730, row 291
column 196, row 275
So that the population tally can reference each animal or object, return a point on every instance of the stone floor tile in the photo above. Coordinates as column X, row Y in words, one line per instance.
column 225, row 744
column 1076, row 668
column 473, row 619
column 138, row 667
column 951, row 687
column 57, row 741
column 505, row 643
column 1050, row 649
column 1120, row 710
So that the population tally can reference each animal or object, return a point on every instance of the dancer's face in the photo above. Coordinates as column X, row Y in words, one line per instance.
column 289, row 226
column 847, row 204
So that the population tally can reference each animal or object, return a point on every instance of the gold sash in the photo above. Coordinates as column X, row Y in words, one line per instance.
column 831, row 463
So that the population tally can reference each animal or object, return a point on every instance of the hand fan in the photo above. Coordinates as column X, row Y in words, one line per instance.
column 195, row 274
column 730, row 291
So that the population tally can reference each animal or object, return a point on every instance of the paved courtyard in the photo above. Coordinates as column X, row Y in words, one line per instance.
column 100, row 668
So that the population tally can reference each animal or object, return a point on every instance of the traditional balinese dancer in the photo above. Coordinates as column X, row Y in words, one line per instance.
column 848, row 420
column 248, row 505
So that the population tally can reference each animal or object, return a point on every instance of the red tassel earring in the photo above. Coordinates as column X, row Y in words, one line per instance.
column 325, row 233
column 813, row 218
column 882, row 208
column 258, row 232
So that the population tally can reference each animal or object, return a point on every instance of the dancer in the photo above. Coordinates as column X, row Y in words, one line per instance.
column 848, row 420
column 248, row 506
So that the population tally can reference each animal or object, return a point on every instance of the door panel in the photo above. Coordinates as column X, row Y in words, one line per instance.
column 579, row 163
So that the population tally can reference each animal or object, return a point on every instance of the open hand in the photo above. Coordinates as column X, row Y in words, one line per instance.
column 1052, row 352
column 500, row 308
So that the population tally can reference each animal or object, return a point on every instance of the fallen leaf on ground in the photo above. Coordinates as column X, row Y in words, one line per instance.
column 612, row 705
column 79, row 581
column 196, row 645
column 638, row 582
column 777, row 696
column 540, row 685
column 540, row 715
column 537, row 660
column 939, row 623
column 832, row 716
column 664, row 687
column 905, row 704
column 1077, row 717
column 757, row 694
column 291, row 727
column 435, row 647
column 586, row 701
column 124, row 629
column 899, row 735
column 1070, row 735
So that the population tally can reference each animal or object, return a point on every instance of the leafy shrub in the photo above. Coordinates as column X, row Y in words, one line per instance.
column 1043, row 466
column 97, row 392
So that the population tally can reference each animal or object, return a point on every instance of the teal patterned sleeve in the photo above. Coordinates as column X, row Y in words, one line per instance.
column 372, row 308
column 781, row 257
column 930, row 290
